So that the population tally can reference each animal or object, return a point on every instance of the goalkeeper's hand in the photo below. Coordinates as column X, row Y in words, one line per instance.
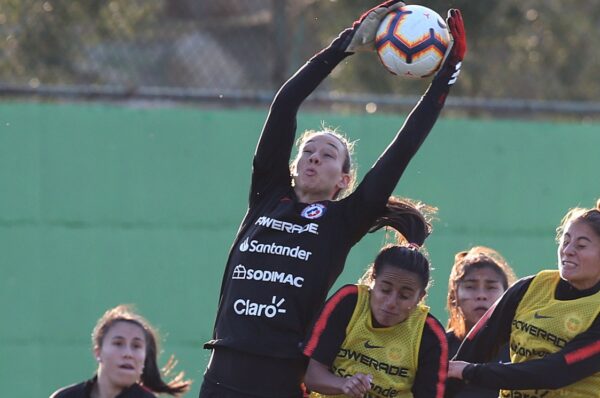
column 453, row 62
column 361, row 36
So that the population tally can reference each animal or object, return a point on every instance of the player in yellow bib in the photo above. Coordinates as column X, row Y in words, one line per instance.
column 551, row 322
column 377, row 338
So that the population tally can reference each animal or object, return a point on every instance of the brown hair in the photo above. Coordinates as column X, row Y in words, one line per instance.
column 590, row 217
column 151, row 376
column 411, row 221
column 348, row 167
column 476, row 258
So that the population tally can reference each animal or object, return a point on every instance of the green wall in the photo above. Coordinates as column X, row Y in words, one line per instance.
column 101, row 205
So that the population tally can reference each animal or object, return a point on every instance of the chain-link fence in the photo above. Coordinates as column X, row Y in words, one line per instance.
column 208, row 45
column 242, row 50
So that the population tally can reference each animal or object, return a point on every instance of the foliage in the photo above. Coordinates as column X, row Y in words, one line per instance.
column 527, row 49
column 519, row 49
column 50, row 41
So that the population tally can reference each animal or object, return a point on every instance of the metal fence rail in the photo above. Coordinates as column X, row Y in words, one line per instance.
column 370, row 102
column 231, row 52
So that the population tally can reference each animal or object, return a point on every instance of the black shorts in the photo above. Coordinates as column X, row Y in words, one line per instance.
column 236, row 374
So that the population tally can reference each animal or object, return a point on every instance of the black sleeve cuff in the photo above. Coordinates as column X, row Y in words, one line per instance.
column 468, row 372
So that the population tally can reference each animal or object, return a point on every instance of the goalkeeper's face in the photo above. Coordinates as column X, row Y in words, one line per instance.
column 319, row 168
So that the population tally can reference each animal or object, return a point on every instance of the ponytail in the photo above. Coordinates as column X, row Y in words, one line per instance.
column 152, row 376
column 411, row 219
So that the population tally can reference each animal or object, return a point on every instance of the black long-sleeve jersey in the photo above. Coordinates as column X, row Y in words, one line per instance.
column 84, row 390
column 579, row 358
column 329, row 332
column 287, row 254
column 470, row 390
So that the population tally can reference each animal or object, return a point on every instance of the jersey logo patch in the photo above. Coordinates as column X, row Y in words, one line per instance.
column 312, row 211
column 540, row 316
column 369, row 345
column 573, row 324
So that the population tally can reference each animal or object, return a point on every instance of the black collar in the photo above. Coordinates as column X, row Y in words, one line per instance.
column 566, row 291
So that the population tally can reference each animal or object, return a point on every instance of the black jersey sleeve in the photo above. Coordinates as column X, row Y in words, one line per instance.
column 370, row 197
column 80, row 390
column 430, row 379
column 329, row 329
column 70, row 392
column 579, row 358
column 453, row 343
column 272, row 156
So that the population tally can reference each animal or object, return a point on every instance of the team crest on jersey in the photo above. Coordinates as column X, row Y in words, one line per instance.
column 573, row 324
column 315, row 210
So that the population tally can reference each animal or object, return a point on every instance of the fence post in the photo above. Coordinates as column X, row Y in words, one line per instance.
column 280, row 41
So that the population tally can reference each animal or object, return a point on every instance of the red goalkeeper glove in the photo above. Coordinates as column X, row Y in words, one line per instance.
column 453, row 62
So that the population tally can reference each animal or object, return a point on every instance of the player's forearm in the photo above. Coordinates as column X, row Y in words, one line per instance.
column 321, row 380
column 537, row 374
column 277, row 138
column 385, row 174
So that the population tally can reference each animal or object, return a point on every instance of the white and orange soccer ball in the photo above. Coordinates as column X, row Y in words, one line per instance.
column 412, row 41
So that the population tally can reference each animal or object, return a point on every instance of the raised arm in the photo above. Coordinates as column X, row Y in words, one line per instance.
column 380, row 181
column 277, row 138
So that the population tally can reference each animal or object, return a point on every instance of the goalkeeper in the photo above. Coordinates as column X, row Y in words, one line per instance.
column 301, row 223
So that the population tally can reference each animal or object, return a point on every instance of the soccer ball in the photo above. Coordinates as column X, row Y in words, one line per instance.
column 412, row 41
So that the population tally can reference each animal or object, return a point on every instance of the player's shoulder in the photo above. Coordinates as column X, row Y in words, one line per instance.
column 518, row 289
column 82, row 390
column 433, row 322
column 434, row 328
column 72, row 391
column 433, row 338
column 344, row 292
column 138, row 391
column 339, row 306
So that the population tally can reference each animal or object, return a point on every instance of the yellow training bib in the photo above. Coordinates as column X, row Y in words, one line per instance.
column 389, row 354
column 543, row 325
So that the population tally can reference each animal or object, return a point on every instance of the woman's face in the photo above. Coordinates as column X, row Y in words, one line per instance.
column 579, row 255
column 395, row 294
column 476, row 291
column 122, row 355
column 319, row 167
